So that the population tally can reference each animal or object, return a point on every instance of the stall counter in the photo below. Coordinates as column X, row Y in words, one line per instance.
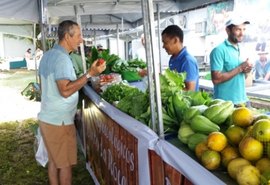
column 168, row 150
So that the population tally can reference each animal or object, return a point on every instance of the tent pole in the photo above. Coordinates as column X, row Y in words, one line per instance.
column 35, row 46
column 153, row 75
column 82, row 45
column 159, row 38
column 42, row 22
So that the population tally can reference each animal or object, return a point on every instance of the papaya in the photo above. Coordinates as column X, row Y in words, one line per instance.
column 218, row 113
column 203, row 125
column 193, row 111
column 195, row 139
column 184, row 132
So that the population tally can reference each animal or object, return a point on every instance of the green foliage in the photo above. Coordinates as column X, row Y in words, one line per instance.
column 104, row 54
column 175, row 79
column 32, row 91
column 116, row 92
column 198, row 98
column 134, row 104
column 137, row 63
column 170, row 83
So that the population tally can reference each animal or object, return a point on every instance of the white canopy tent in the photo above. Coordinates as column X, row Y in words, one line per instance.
column 109, row 15
column 125, row 15
column 18, row 17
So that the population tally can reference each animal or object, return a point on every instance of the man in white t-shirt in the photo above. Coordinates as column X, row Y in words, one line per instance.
column 140, row 53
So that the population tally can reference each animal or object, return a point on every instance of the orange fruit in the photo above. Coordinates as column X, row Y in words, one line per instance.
column 260, row 116
column 210, row 159
column 261, row 130
column 216, row 141
column 263, row 164
column 267, row 149
column 248, row 174
column 200, row 148
column 235, row 164
column 242, row 117
column 227, row 154
column 235, row 134
column 251, row 149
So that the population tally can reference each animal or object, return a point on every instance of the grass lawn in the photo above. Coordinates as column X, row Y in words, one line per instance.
column 17, row 79
column 17, row 157
column 18, row 165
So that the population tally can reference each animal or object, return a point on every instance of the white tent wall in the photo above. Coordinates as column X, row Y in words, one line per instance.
column 113, row 47
column 194, row 40
column 19, row 11
column 16, row 47
column 20, row 30
column 17, row 18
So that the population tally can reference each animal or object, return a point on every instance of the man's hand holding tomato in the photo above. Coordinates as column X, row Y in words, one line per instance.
column 97, row 67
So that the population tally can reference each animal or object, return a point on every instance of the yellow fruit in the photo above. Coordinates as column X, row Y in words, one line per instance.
column 261, row 130
column 248, row 175
column 216, row 141
column 242, row 117
column 260, row 116
column 200, row 148
column 210, row 159
column 235, row 134
column 263, row 164
column 234, row 165
column 267, row 149
column 227, row 154
column 251, row 149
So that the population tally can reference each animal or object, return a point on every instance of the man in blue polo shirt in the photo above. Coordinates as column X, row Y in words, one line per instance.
column 59, row 98
column 180, row 61
column 227, row 70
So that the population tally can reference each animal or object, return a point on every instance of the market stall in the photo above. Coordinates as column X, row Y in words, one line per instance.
column 121, row 149
column 118, row 148
column 146, row 158
column 115, row 143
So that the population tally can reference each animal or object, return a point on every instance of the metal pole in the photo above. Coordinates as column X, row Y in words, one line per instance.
column 149, row 58
column 154, row 84
column 43, row 19
column 156, row 76
column 117, row 41
column 35, row 59
column 78, row 17
column 159, row 37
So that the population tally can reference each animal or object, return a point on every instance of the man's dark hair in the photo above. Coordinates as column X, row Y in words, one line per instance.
column 230, row 27
column 66, row 27
column 174, row 31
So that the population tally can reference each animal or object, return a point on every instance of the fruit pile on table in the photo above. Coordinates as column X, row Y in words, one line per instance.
column 240, row 144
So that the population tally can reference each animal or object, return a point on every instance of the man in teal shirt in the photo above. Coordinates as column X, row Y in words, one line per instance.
column 77, row 62
column 227, row 70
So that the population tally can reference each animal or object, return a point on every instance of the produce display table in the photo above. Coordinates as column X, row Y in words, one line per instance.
column 116, row 144
column 122, row 150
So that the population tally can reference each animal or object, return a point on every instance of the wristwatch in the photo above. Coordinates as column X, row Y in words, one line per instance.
column 88, row 76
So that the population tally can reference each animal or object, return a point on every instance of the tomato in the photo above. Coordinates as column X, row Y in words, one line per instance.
column 100, row 61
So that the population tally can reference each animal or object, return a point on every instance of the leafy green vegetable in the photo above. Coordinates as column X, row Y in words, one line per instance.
column 170, row 83
column 137, row 63
column 134, row 104
column 181, row 103
column 116, row 92
column 199, row 97
column 175, row 79
column 105, row 54
column 119, row 66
